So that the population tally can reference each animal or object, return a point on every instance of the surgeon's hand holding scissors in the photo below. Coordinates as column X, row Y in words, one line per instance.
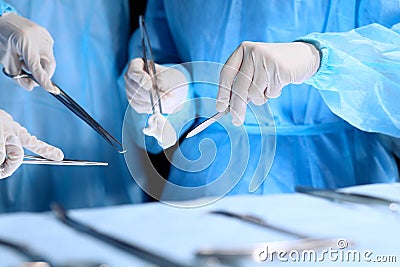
column 24, row 45
column 256, row 72
column 13, row 138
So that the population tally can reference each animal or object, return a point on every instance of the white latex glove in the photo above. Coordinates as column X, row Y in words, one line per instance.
column 13, row 137
column 159, row 127
column 171, row 82
column 265, row 68
column 26, row 45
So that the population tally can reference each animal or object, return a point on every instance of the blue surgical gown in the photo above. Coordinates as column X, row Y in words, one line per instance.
column 90, row 47
column 327, row 129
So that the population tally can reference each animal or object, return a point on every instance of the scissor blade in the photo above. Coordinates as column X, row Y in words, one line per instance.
column 202, row 126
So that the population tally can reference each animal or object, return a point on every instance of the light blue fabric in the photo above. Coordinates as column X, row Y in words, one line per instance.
column 185, row 231
column 314, row 146
column 361, row 87
column 90, row 47
column 6, row 8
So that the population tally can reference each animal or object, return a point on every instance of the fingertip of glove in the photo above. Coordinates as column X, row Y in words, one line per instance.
column 30, row 88
column 48, row 85
column 27, row 84
column 236, row 122
column 236, row 119
column 137, row 62
column 57, row 155
column 136, row 65
column 53, row 90
column 259, row 100
column 221, row 106
column 4, row 174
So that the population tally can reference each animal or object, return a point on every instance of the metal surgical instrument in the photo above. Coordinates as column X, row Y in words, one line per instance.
column 37, row 160
column 25, row 251
column 149, row 64
column 133, row 249
column 333, row 195
column 259, row 222
column 77, row 110
column 202, row 126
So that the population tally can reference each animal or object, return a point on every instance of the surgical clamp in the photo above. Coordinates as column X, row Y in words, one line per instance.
column 149, row 64
column 77, row 110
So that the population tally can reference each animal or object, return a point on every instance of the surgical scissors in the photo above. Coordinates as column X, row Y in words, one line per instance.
column 149, row 64
column 77, row 110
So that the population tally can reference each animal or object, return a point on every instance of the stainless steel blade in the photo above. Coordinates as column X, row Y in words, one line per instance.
column 202, row 126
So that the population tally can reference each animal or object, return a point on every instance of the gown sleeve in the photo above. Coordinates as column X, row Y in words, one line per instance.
column 359, row 76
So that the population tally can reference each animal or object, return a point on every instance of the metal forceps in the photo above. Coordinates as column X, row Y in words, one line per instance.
column 77, row 110
column 149, row 65
column 38, row 160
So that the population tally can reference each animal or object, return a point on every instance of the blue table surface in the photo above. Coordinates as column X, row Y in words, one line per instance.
column 178, row 233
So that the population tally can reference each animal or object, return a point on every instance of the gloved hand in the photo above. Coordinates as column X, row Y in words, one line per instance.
column 159, row 127
column 173, row 92
column 265, row 68
column 171, row 82
column 26, row 45
column 13, row 137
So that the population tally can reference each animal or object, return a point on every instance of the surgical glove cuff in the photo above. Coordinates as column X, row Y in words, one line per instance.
column 322, row 50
